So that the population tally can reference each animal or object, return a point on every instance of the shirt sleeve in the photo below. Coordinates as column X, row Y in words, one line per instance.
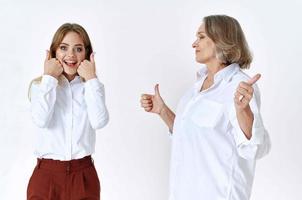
column 43, row 98
column 95, row 100
column 259, row 144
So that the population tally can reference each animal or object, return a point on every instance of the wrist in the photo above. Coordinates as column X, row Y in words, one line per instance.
column 162, row 110
column 51, row 74
column 246, row 110
column 87, row 78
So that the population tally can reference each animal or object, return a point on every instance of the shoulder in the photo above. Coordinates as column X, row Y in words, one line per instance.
column 239, row 76
column 236, row 79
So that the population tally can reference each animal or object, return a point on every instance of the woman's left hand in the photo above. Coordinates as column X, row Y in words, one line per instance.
column 87, row 68
column 244, row 93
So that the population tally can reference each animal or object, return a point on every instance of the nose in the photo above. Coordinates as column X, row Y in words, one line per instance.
column 70, row 52
column 194, row 45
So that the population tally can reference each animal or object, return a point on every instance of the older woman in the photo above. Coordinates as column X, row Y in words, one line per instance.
column 217, row 131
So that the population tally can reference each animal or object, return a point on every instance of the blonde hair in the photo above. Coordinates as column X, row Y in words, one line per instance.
column 231, row 45
column 56, row 41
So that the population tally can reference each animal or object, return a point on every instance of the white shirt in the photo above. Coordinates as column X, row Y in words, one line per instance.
column 211, row 157
column 67, row 114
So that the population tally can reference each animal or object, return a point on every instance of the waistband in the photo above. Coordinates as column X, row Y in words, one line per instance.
column 65, row 166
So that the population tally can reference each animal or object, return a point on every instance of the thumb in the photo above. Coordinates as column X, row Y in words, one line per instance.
column 254, row 79
column 92, row 57
column 156, row 90
column 47, row 55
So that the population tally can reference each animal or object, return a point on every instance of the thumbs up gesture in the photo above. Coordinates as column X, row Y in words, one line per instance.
column 87, row 68
column 152, row 103
column 52, row 66
column 244, row 93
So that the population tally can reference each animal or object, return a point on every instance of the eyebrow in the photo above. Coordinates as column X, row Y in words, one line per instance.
column 69, row 45
column 199, row 32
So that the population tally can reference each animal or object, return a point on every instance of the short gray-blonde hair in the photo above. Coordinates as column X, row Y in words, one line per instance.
column 231, row 45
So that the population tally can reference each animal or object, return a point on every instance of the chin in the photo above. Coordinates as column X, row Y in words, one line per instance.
column 199, row 60
column 70, row 71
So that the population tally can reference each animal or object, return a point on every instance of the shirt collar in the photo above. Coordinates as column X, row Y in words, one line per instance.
column 77, row 79
column 226, row 73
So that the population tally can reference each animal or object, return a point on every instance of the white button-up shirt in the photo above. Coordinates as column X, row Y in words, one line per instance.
column 67, row 114
column 211, row 157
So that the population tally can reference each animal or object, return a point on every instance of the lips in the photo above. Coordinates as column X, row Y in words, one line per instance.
column 70, row 63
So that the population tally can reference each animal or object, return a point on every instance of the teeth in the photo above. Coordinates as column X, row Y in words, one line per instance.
column 70, row 62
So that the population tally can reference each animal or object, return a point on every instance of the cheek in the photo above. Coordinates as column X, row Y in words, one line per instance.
column 81, row 56
column 211, row 49
column 59, row 55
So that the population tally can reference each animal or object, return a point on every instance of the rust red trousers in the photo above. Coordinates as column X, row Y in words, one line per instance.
column 64, row 180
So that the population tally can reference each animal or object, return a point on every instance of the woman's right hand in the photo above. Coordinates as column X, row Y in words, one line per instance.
column 52, row 66
column 152, row 103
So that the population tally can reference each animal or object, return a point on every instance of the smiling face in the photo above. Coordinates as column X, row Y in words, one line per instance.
column 71, row 52
column 204, row 47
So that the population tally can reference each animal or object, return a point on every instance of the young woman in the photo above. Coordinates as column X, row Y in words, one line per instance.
column 68, row 105
column 217, row 131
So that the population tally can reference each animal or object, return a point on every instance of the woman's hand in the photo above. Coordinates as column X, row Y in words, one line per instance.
column 155, row 104
column 52, row 66
column 87, row 68
column 244, row 93
column 243, row 96
column 152, row 103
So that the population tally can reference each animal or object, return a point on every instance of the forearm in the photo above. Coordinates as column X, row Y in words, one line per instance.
column 168, row 116
column 43, row 98
column 245, row 119
column 95, row 100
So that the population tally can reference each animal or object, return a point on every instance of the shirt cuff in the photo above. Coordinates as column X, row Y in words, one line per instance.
column 94, row 83
column 258, row 131
column 48, row 82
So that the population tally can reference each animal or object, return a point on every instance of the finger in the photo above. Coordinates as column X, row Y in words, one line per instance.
column 237, row 101
column 241, row 97
column 254, row 79
column 148, row 109
column 245, row 101
column 156, row 90
column 145, row 105
column 58, row 62
column 92, row 57
column 238, row 96
column 47, row 55
column 243, row 91
column 145, row 101
column 146, row 96
column 246, row 86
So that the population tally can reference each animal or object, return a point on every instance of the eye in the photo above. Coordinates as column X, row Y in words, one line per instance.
column 79, row 49
column 63, row 48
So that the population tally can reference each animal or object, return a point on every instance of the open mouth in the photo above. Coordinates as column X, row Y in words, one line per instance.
column 70, row 63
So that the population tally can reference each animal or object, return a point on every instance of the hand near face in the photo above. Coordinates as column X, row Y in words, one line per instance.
column 152, row 103
column 52, row 66
column 244, row 93
column 87, row 68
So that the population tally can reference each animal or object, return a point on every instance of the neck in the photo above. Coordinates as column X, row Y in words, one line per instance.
column 214, row 67
column 69, row 77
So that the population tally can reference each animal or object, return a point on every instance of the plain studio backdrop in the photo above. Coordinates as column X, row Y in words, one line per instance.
column 139, row 43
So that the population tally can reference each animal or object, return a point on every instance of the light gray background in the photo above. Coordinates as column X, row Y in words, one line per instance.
column 140, row 43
